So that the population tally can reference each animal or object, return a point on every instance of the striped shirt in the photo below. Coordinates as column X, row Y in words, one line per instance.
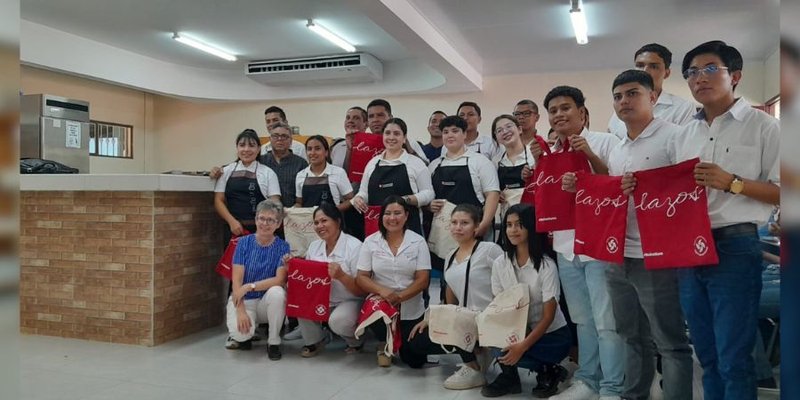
column 260, row 262
column 286, row 170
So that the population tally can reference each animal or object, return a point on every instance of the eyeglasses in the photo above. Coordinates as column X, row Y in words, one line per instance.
column 694, row 73
column 279, row 137
column 525, row 114
column 267, row 220
column 501, row 129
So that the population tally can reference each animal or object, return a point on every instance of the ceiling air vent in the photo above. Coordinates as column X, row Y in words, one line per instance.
column 323, row 70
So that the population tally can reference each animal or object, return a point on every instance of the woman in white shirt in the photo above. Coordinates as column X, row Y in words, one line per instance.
column 395, row 263
column 515, row 164
column 322, row 181
column 244, row 184
column 530, row 260
column 468, row 276
column 396, row 171
column 341, row 252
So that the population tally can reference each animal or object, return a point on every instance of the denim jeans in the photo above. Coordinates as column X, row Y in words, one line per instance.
column 600, row 348
column 550, row 349
column 720, row 303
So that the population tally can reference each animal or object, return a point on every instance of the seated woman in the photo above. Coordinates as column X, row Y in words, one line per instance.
column 478, row 257
column 259, row 274
column 322, row 181
column 341, row 252
column 529, row 259
column 394, row 263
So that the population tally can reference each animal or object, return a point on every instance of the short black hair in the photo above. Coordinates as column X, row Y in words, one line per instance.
column 662, row 52
column 331, row 211
column 438, row 112
column 453, row 120
column 730, row 57
column 363, row 111
column 529, row 102
column 633, row 76
column 275, row 109
column 469, row 104
column 380, row 102
column 395, row 199
column 567, row 91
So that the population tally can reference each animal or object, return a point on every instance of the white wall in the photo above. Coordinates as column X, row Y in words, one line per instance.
column 772, row 73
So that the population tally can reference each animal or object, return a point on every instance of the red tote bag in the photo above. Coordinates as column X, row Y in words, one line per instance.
column 225, row 263
column 308, row 290
column 672, row 211
column 365, row 147
column 555, row 208
column 601, row 212
column 372, row 220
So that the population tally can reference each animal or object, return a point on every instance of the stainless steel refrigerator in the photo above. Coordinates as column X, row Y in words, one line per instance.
column 55, row 128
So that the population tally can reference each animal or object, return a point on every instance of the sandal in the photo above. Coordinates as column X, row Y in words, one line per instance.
column 312, row 349
column 353, row 349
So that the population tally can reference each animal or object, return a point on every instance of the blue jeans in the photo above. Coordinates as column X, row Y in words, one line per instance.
column 601, row 351
column 550, row 349
column 720, row 303
column 790, row 318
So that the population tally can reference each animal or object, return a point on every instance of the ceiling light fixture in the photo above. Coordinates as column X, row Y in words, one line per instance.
column 330, row 36
column 204, row 47
column 578, row 18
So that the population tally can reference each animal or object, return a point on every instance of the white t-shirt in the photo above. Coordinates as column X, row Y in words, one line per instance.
column 482, row 145
column 337, row 181
column 651, row 149
column 265, row 176
column 296, row 148
column 480, row 274
column 601, row 144
column 543, row 285
column 742, row 141
column 345, row 253
column 668, row 107
column 482, row 171
column 397, row 272
column 418, row 175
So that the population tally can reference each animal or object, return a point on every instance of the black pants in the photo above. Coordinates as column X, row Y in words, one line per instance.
column 415, row 353
column 378, row 328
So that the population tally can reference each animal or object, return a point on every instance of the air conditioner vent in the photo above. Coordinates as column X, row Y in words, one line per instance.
column 348, row 68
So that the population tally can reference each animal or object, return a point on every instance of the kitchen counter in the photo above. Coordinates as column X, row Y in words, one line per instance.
column 119, row 258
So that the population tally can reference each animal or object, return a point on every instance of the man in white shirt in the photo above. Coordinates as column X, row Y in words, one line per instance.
column 486, row 145
column 355, row 120
column 656, row 59
column 378, row 112
column 645, row 301
column 600, row 348
column 274, row 115
column 527, row 114
column 738, row 147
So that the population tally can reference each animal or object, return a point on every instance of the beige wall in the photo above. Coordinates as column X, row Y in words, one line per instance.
column 111, row 103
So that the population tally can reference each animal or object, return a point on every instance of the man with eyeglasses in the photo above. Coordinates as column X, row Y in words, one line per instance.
column 274, row 115
column 527, row 114
column 285, row 163
column 739, row 151
column 656, row 59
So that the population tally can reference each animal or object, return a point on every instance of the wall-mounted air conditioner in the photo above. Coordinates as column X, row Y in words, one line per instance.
column 323, row 70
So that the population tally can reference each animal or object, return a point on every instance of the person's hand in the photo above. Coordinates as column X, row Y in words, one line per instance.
column 418, row 329
column 502, row 199
column 360, row 205
column 711, row 175
column 526, row 173
column 628, row 184
column 579, row 143
column 513, row 353
column 349, row 135
column 536, row 150
column 391, row 296
column 236, row 228
column 243, row 322
column 436, row 205
column 482, row 229
column 335, row 270
column 568, row 182
column 238, row 294
column 215, row 173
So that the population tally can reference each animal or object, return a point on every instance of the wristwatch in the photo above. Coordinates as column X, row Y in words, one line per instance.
column 252, row 287
column 737, row 185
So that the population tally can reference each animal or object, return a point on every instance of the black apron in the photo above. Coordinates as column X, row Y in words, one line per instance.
column 242, row 195
column 316, row 189
column 511, row 177
column 388, row 180
column 454, row 184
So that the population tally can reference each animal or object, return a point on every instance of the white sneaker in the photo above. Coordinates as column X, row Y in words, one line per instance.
column 578, row 391
column 465, row 378
column 293, row 335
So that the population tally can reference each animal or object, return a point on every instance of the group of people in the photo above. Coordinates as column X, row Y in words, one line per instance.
column 624, row 316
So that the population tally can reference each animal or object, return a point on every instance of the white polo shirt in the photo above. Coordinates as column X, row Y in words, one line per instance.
column 397, row 272
column 482, row 171
column 543, row 285
column 668, row 107
column 601, row 144
column 742, row 141
column 480, row 275
column 651, row 149
column 345, row 253
column 337, row 180
column 265, row 176
column 296, row 148
column 418, row 176
column 482, row 145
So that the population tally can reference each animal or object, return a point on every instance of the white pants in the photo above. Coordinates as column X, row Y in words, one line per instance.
column 342, row 321
column 270, row 308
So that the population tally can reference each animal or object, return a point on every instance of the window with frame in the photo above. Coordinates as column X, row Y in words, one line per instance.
column 108, row 139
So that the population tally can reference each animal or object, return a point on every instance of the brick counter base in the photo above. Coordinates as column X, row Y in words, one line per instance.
column 121, row 267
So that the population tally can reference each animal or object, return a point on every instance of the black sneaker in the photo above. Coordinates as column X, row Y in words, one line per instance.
column 548, row 379
column 274, row 352
column 505, row 383
column 231, row 344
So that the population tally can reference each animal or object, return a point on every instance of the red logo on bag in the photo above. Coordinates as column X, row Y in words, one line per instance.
column 513, row 338
column 361, row 146
column 468, row 338
column 700, row 246
column 611, row 245
column 321, row 309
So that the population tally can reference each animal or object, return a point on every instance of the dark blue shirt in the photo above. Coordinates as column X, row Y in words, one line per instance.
column 260, row 262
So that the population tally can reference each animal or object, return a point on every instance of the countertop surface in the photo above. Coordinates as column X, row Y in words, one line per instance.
column 116, row 182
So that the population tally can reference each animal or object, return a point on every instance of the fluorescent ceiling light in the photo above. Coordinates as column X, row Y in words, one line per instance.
column 204, row 47
column 578, row 18
column 322, row 31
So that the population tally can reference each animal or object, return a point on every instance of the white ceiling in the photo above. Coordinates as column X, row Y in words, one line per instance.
column 432, row 46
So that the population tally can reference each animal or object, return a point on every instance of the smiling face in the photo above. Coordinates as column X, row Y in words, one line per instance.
column 393, row 137
column 633, row 102
column 394, row 218
column 354, row 121
column 453, row 138
column 433, row 125
column 712, row 88
column 462, row 227
column 316, row 153
column 247, row 150
column 267, row 222
column 326, row 227
column 506, row 131
column 517, row 234
column 565, row 117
